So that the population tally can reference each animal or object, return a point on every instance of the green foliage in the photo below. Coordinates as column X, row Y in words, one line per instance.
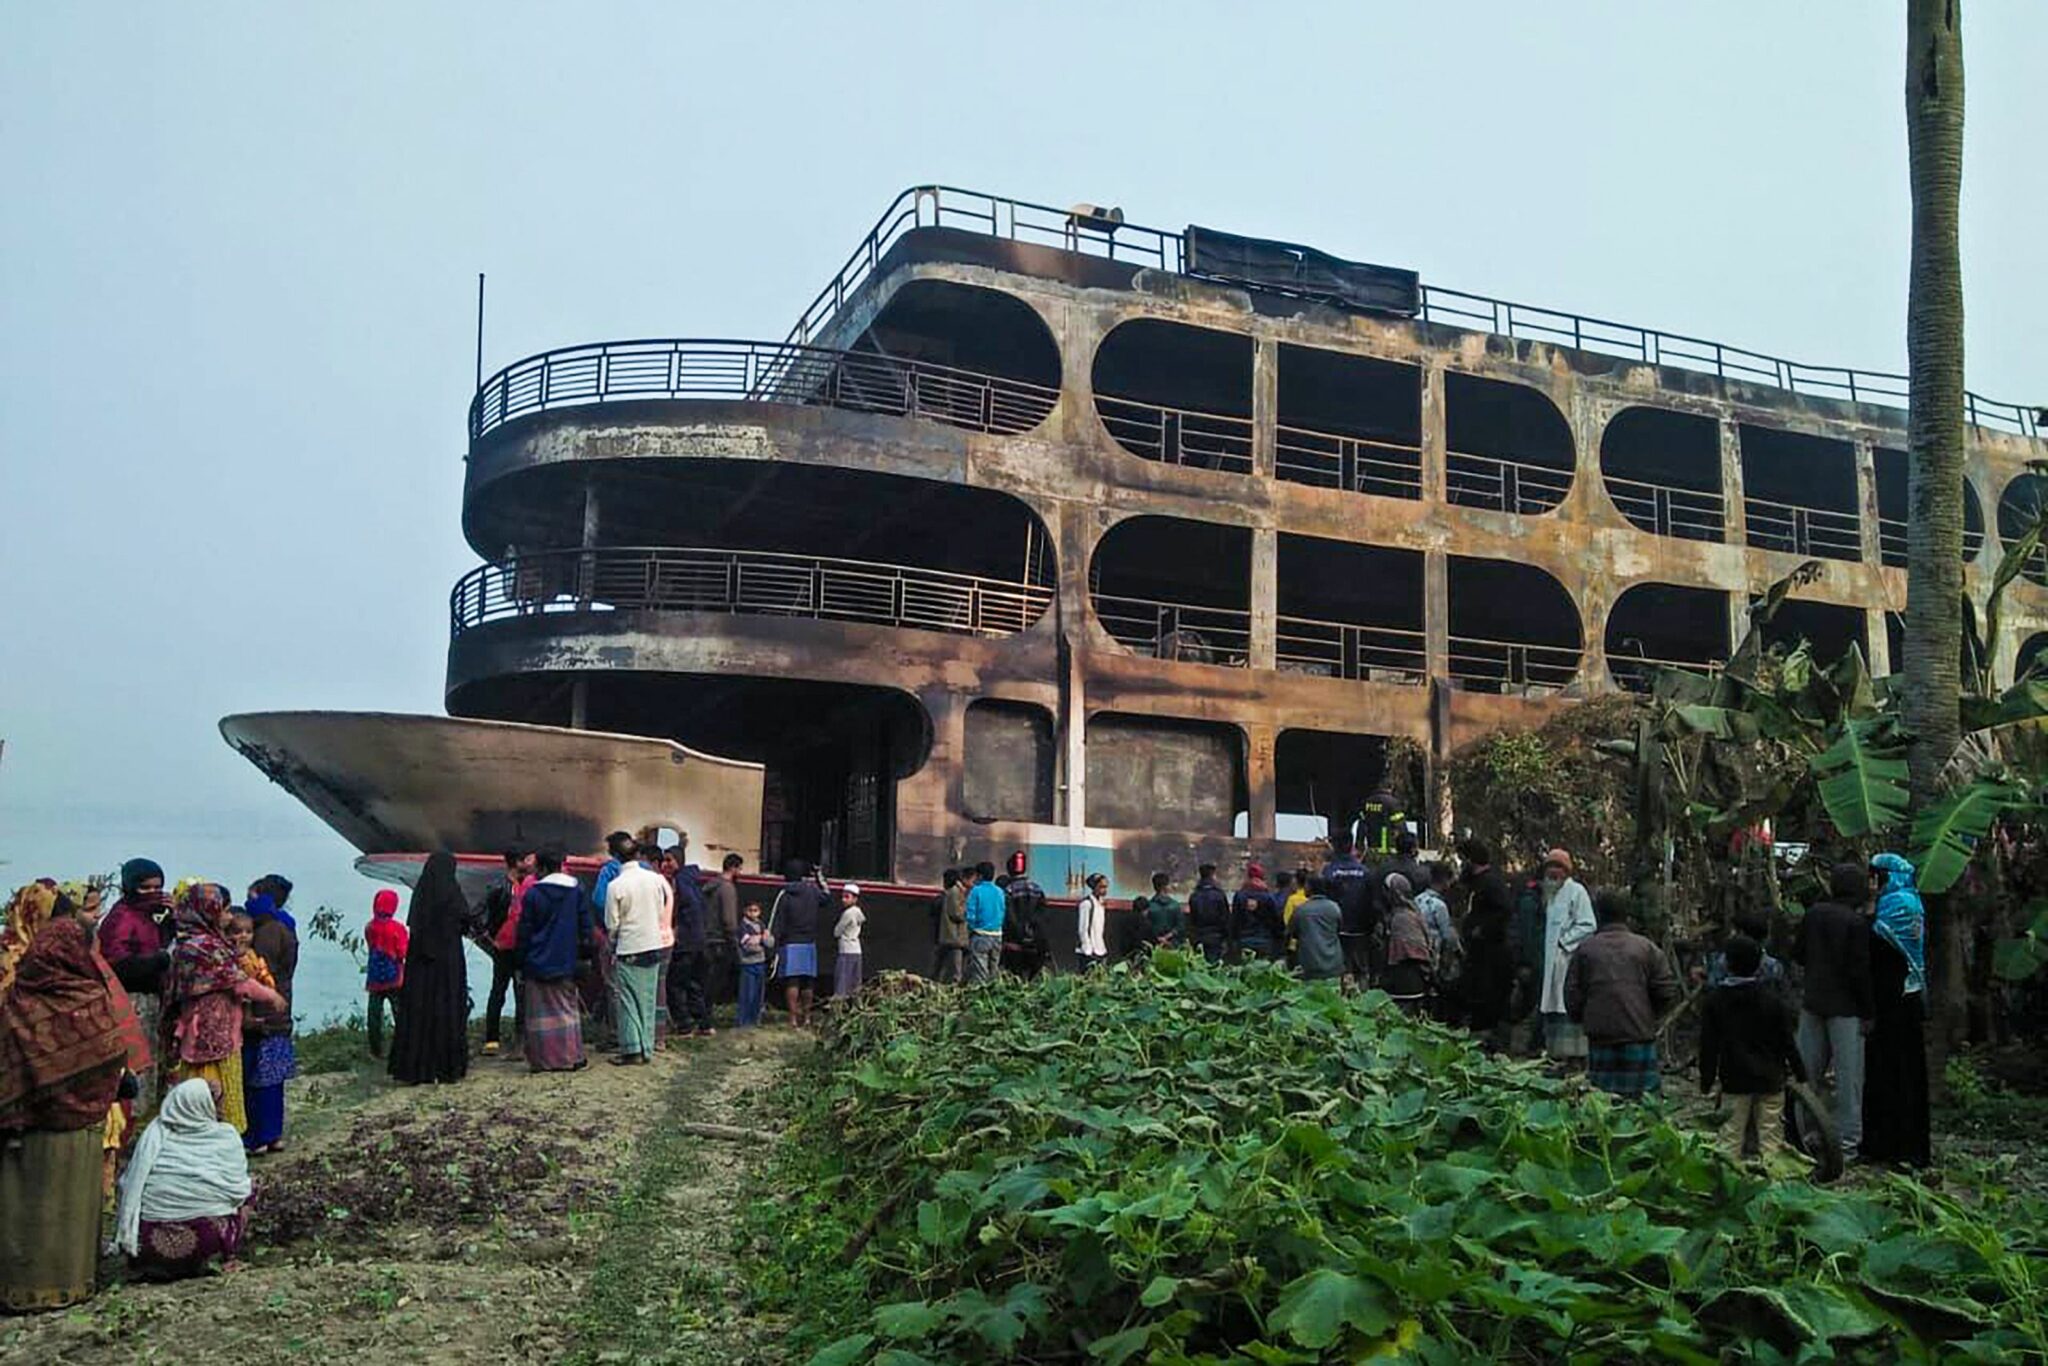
column 1193, row 1164
column 1945, row 835
column 1861, row 777
column 2016, row 960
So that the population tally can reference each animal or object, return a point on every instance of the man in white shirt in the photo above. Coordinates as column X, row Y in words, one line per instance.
column 1090, row 945
column 1567, row 922
column 639, row 910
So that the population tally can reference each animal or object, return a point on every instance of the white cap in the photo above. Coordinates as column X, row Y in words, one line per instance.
column 852, row 889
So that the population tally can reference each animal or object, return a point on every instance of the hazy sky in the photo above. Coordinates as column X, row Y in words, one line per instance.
column 239, row 248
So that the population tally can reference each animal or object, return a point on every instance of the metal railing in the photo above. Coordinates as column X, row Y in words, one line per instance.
column 1800, row 530
column 1667, row 510
column 1360, row 464
column 1638, row 673
column 1178, row 631
column 1341, row 649
column 742, row 583
column 1505, row 665
column 857, row 381
column 1178, row 436
column 1488, row 481
column 927, row 206
column 1893, row 542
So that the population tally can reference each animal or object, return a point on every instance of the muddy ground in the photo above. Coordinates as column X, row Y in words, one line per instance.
column 472, row 1223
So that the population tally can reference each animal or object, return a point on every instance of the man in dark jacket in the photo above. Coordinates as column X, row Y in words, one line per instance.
column 1349, row 883
column 1618, row 987
column 1209, row 915
column 1255, row 924
column 1163, row 926
column 495, row 911
column 1026, row 950
column 1489, row 961
column 722, row 930
column 689, row 967
column 1840, row 1003
column 794, row 919
column 1746, row 1045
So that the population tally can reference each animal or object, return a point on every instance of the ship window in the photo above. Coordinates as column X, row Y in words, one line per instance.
column 1893, row 469
column 1326, row 775
column 1507, row 447
column 1349, row 422
column 1829, row 628
column 1655, row 624
column 1513, row 627
column 1177, row 394
column 1175, row 589
column 2019, row 507
column 1350, row 611
column 1008, row 765
column 1663, row 471
column 1799, row 493
column 1158, row 773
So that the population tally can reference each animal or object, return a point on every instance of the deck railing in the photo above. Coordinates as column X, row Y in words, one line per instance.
column 857, row 381
column 1360, row 464
column 1338, row 649
column 742, row 583
column 1178, row 436
column 1488, row 481
column 1505, row 665
column 1800, row 530
column 1178, row 631
column 1638, row 673
column 927, row 206
column 1892, row 542
column 1667, row 510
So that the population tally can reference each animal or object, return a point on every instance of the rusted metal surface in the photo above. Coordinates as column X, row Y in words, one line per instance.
column 393, row 783
column 1598, row 538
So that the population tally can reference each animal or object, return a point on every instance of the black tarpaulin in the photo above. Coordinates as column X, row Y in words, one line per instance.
column 1291, row 269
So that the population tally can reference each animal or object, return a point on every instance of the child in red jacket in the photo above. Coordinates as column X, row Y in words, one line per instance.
column 386, row 940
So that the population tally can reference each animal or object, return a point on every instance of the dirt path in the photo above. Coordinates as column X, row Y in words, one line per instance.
column 511, row 1217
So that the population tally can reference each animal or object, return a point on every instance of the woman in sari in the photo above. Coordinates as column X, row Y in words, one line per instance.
column 207, row 992
column 135, row 939
column 268, row 1058
column 1895, row 1105
column 431, row 1040
column 62, row 1046
column 185, row 1199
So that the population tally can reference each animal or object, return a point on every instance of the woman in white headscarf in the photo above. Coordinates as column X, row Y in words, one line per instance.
column 185, row 1198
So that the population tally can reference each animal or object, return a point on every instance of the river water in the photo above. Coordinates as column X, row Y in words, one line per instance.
column 320, row 864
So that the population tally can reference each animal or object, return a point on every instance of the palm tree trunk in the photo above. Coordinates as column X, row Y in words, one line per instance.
column 1934, row 354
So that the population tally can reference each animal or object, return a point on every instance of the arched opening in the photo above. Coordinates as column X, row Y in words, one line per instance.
column 1007, row 770
column 1176, row 589
column 1893, row 470
column 1513, row 627
column 1177, row 394
column 1350, row 611
column 1799, row 493
column 1163, row 773
column 1507, row 447
column 1655, row 625
column 834, row 751
column 1349, row 422
column 1829, row 628
column 1663, row 470
column 1321, row 778
column 766, row 539
column 959, row 354
column 2019, row 509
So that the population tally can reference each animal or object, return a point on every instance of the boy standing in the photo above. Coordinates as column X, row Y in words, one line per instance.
column 1747, row 1045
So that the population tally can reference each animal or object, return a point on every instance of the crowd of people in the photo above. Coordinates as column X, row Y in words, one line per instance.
column 172, row 1006
column 144, row 1051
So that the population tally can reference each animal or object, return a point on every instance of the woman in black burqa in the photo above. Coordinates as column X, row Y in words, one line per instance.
column 431, row 1042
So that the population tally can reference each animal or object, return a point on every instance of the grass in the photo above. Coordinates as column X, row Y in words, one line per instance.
column 662, row 1288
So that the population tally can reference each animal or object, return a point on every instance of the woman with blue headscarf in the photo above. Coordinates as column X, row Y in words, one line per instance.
column 268, row 1058
column 1895, row 1119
